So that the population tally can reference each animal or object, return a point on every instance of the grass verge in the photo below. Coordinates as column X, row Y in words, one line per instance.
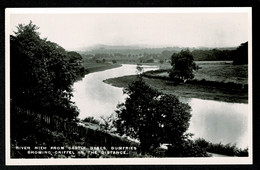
column 186, row 90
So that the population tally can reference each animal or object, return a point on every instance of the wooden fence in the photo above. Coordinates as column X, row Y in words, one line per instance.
column 93, row 137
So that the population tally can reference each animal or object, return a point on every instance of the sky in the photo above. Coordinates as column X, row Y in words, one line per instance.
column 167, row 28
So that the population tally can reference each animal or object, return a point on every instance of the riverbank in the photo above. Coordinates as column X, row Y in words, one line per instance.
column 186, row 90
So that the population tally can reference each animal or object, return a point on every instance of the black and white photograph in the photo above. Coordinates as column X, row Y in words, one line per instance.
column 119, row 86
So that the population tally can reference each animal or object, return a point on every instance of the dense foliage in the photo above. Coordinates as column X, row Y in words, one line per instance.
column 186, row 148
column 41, row 76
column 211, row 54
column 152, row 117
column 219, row 148
column 182, row 65
column 42, row 73
column 240, row 55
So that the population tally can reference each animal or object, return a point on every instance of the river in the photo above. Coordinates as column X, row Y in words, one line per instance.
column 212, row 120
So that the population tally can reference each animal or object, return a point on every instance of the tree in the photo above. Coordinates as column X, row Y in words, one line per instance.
column 161, row 61
column 182, row 66
column 166, row 54
column 152, row 117
column 107, row 123
column 240, row 55
column 41, row 73
column 75, row 60
column 139, row 69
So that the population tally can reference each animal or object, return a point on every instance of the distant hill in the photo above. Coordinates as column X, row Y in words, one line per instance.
column 109, row 47
column 123, row 47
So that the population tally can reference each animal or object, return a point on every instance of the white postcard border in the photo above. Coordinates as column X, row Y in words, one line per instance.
column 124, row 161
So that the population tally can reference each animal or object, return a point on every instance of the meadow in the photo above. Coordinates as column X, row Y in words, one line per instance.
column 222, row 73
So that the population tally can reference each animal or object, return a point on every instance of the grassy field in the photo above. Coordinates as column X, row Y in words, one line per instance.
column 216, row 71
column 211, row 71
column 94, row 67
column 222, row 72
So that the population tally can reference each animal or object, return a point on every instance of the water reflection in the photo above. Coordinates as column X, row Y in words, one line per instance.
column 95, row 98
column 219, row 121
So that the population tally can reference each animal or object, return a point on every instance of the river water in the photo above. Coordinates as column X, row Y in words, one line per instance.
column 212, row 120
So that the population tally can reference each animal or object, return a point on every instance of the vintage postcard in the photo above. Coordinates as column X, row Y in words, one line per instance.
column 128, row 86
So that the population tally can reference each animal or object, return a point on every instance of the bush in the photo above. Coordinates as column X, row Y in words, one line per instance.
column 228, row 149
column 150, row 61
column 187, row 148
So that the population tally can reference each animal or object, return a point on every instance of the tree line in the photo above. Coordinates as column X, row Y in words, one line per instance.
column 238, row 55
